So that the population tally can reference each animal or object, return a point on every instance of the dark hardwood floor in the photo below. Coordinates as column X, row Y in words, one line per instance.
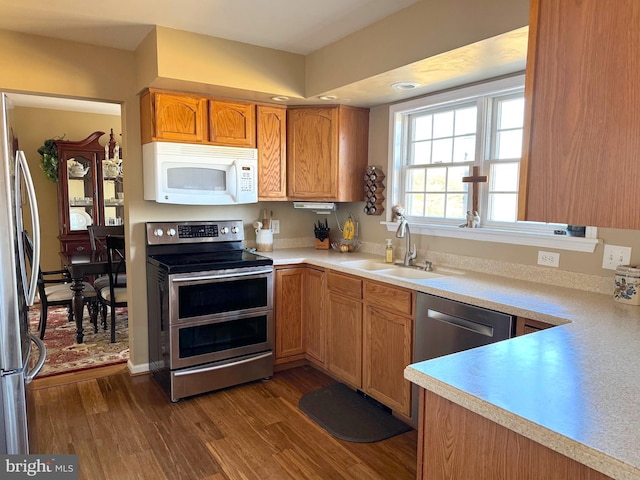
column 125, row 427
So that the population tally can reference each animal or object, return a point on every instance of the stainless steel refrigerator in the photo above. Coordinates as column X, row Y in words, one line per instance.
column 18, row 283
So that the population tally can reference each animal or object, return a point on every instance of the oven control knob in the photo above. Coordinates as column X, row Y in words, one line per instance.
column 158, row 232
column 234, row 230
column 171, row 232
column 224, row 230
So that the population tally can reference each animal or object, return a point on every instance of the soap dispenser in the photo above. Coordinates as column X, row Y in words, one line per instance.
column 389, row 252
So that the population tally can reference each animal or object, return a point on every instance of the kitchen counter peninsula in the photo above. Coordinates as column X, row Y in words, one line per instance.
column 574, row 388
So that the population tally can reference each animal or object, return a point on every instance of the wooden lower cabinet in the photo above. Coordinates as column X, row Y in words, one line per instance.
column 314, row 315
column 299, row 314
column 528, row 325
column 289, row 313
column 344, row 342
column 360, row 331
column 386, row 352
column 455, row 443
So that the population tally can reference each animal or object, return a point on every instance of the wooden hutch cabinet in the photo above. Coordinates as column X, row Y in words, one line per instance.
column 89, row 189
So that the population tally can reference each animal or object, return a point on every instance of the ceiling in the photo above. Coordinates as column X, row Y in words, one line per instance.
column 298, row 26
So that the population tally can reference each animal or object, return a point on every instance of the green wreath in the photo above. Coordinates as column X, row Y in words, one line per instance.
column 49, row 159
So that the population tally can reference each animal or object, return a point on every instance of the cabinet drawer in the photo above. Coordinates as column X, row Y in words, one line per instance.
column 345, row 285
column 395, row 299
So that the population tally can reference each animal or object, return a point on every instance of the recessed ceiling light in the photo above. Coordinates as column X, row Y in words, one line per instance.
column 404, row 85
column 328, row 98
column 280, row 98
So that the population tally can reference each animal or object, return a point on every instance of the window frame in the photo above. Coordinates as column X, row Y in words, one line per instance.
column 536, row 234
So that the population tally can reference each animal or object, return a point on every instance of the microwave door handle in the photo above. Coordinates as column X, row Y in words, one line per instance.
column 22, row 171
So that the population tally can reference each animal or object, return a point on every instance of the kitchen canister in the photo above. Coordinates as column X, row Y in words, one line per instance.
column 264, row 240
column 627, row 284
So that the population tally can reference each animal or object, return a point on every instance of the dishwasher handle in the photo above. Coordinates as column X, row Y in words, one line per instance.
column 461, row 322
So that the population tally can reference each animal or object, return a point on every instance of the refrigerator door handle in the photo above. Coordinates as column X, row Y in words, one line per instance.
column 22, row 170
column 42, row 355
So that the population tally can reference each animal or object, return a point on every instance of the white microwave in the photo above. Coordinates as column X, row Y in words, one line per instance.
column 190, row 174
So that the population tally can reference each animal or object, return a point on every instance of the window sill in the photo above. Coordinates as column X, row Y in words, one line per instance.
column 533, row 239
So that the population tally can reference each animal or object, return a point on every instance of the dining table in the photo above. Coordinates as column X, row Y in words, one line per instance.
column 80, row 265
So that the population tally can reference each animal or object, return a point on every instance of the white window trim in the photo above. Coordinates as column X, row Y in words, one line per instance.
column 533, row 239
column 488, row 234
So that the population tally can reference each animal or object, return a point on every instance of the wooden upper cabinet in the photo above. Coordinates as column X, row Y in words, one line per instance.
column 327, row 153
column 232, row 123
column 173, row 117
column 580, row 154
column 271, row 124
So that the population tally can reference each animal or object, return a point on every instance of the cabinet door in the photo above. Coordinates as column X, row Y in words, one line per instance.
column 289, row 312
column 528, row 325
column 232, row 124
column 180, row 117
column 580, row 163
column 387, row 351
column 312, row 169
column 344, row 342
column 272, row 152
column 314, row 314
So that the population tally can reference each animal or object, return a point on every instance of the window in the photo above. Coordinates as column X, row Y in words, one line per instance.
column 441, row 142
column 437, row 140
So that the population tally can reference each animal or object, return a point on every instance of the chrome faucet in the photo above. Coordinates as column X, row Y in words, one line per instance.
column 404, row 232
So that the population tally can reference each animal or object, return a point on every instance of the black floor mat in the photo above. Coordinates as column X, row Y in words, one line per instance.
column 347, row 415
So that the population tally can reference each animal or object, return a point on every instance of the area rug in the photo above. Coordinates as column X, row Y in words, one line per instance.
column 64, row 355
column 347, row 415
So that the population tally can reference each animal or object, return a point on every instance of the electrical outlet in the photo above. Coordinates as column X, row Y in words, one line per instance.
column 275, row 226
column 615, row 255
column 548, row 259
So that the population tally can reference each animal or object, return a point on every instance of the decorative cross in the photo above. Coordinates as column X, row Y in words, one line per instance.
column 473, row 179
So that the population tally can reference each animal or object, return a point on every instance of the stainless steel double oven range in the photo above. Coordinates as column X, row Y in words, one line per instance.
column 210, row 307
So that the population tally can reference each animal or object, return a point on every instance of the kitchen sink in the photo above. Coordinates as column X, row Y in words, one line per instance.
column 367, row 264
column 410, row 273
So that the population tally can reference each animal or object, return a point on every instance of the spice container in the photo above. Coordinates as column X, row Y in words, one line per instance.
column 627, row 284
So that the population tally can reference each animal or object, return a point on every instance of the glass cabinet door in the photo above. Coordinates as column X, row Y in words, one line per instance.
column 81, row 194
column 112, row 190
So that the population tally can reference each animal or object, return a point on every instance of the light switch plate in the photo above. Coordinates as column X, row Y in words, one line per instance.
column 275, row 226
column 615, row 255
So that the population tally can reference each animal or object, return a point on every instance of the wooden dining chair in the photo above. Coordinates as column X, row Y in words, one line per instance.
column 115, row 295
column 56, row 291
column 98, row 235
column 97, row 240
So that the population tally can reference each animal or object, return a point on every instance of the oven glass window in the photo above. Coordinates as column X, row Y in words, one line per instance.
column 221, row 336
column 209, row 298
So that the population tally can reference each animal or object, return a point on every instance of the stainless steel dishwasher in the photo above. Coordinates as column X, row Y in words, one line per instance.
column 445, row 326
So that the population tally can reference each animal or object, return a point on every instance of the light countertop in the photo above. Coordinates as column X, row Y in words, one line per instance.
column 574, row 388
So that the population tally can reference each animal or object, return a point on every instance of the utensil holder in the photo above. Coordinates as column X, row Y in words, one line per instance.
column 264, row 240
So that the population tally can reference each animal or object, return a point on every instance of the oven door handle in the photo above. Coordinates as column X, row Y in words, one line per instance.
column 225, row 275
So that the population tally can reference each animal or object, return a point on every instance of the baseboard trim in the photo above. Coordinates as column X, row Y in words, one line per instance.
column 139, row 369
